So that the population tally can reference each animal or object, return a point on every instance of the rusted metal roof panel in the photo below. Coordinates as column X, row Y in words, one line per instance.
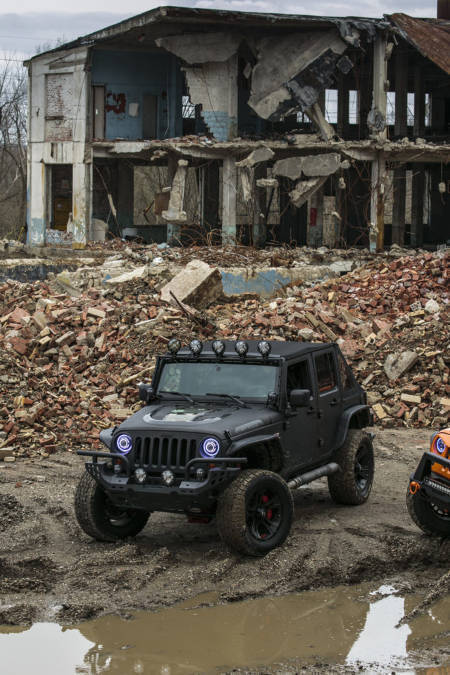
column 430, row 36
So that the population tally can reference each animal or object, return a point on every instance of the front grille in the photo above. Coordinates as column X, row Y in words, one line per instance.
column 157, row 454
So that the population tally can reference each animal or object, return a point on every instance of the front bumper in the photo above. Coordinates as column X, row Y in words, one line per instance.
column 189, row 495
column 429, row 485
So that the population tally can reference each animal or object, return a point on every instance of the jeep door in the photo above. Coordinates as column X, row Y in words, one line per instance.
column 329, row 400
column 300, row 435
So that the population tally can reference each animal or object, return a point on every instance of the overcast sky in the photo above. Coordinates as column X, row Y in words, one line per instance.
column 22, row 31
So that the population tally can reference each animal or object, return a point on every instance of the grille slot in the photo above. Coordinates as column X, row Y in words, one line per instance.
column 157, row 454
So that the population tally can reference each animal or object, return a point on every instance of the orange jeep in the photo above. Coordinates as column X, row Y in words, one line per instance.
column 428, row 496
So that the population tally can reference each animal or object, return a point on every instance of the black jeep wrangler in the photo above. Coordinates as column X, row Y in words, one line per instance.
column 229, row 430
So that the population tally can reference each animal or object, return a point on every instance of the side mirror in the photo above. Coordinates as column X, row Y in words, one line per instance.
column 146, row 392
column 299, row 398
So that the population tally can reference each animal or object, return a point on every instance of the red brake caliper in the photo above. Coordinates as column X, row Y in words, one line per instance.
column 269, row 513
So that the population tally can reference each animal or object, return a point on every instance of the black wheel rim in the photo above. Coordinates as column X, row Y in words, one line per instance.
column 264, row 514
column 363, row 468
column 118, row 516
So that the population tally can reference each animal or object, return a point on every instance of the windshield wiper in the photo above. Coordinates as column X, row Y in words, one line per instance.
column 236, row 399
column 178, row 393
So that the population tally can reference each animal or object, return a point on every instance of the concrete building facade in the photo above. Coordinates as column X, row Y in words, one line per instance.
column 189, row 125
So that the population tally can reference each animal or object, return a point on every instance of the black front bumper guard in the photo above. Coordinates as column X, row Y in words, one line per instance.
column 221, row 471
column 432, row 487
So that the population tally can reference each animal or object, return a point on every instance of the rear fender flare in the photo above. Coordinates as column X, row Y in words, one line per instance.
column 358, row 412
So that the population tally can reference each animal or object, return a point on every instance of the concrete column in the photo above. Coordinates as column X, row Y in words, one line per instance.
column 401, row 92
column 229, row 177
column 379, row 100
column 399, row 206
column 376, row 234
column 125, row 193
column 418, row 192
column 377, row 123
column 419, row 102
column 81, row 203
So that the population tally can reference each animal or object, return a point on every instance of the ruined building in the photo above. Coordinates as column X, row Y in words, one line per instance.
column 197, row 125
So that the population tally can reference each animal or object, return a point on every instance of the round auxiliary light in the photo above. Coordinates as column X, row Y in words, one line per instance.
column 264, row 348
column 218, row 347
column 168, row 477
column 209, row 448
column 174, row 345
column 196, row 347
column 440, row 446
column 241, row 347
column 124, row 443
column 140, row 475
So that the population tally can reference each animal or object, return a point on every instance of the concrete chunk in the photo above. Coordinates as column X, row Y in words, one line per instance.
column 396, row 365
column 321, row 165
column 305, row 189
column 268, row 183
column 138, row 273
column 291, row 167
column 262, row 154
column 197, row 284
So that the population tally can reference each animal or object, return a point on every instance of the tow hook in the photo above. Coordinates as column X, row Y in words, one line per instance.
column 414, row 487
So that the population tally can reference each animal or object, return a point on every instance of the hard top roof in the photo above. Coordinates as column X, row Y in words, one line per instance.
column 287, row 350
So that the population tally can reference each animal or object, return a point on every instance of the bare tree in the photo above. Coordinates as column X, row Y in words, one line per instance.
column 13, row 163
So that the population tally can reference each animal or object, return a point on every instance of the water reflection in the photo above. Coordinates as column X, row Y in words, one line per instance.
column 382, row 640
column 342, row 625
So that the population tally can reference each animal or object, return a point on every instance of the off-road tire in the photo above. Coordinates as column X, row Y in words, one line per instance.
column 422, row 514
column 233, row 511
column 344, row 485
column 91, row 510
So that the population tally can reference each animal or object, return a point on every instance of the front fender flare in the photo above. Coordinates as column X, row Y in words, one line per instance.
column 279, row 455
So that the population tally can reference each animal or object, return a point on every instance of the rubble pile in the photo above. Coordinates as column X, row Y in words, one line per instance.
column 72, row 352
column 391, row 321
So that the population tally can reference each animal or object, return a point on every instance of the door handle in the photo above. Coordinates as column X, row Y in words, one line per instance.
column 334, row 401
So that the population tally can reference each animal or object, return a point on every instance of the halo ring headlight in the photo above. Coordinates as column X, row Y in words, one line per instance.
column 124, row 443
column 440, row 446
column 209, row 448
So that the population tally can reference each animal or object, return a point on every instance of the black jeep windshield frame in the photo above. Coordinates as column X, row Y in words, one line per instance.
column 245, row 380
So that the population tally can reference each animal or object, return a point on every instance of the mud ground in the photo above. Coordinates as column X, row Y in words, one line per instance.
column 50, row 570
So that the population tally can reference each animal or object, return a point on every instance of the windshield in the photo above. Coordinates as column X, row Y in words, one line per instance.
column 238, row 379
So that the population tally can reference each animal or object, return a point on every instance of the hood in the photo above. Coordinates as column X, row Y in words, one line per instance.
column 200, row 418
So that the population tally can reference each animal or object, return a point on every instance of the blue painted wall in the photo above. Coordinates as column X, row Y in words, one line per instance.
column 131, row 75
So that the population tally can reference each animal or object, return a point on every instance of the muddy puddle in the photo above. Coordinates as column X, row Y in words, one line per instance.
column 352, row 626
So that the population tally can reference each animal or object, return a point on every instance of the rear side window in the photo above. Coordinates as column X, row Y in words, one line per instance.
column 326, row 375
column 344, row 373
